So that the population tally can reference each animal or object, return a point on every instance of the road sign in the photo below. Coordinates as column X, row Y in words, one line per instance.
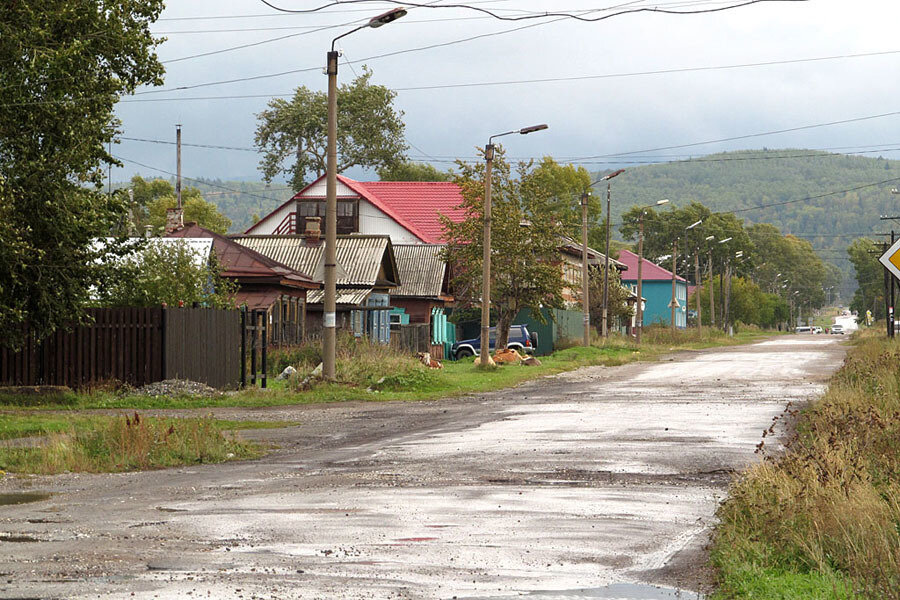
column 891, row 259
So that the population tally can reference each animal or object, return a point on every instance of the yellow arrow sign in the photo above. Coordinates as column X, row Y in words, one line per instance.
column 891, row 259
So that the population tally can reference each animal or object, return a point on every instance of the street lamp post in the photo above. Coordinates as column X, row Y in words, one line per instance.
column 329, row 317
column 584, row 273
column 722, row 284
column 712, row 305
column 687, row 237
column 605, row 317
column 639, row 325
column 484, row 358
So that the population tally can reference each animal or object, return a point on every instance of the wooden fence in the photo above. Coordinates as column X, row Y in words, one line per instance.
column 135, row 346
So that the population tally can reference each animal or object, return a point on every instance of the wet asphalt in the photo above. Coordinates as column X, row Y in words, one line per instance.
column 599, row 483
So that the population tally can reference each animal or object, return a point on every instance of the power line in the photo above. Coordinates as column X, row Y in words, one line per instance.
column 643, row 73
column 200, row 181
column 270, row 15
column 536, row 15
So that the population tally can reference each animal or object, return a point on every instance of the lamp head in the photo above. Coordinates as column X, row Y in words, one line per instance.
column 611, row 175
column 728, row 239
column 710, row 237
column 387, row 17
column 691, row 226
column 532, row 129
column 664, row 201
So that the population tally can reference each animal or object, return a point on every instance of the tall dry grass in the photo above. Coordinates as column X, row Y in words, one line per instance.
column 831, row 503
column 359, row 362
column 126, row 444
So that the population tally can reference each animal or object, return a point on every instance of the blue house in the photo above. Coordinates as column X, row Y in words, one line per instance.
column 656, row 288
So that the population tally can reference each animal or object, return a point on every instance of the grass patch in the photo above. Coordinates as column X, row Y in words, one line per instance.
column 361, row 367
column 113, row 444
column 825, row 515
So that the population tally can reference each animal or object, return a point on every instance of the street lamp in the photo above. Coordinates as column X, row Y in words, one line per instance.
column 696, row 272
column 640, row 302
column 722, row 287
column 712, row 290
column 485, row 356
column 604, row 331
column 330, row 308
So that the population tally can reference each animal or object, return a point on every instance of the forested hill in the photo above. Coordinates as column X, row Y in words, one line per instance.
column 240, row 200
column 734, row 181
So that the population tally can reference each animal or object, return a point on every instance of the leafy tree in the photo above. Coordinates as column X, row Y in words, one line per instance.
column 196, row 210
column 869, row 294
column 292, row 135
column 165, row 274
column 747, row 304
column 663, row 226
column 63, row 66
column 525, row 239
column 617, row 303
column 151, row 199
column 412, row 171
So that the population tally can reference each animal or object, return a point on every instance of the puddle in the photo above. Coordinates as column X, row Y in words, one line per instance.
column 619, row 591
column 17, row 538
column 22, row 498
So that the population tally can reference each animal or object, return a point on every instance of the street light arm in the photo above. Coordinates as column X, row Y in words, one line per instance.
column 523, row 131
column 346, row 33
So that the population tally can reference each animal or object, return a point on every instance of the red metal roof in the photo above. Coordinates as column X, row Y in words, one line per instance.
column 417, row 205
column 649, row 272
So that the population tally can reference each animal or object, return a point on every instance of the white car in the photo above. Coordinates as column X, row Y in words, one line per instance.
column 817, row 330
column 837, row 329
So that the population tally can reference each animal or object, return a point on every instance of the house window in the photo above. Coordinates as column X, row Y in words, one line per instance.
column 347, row 221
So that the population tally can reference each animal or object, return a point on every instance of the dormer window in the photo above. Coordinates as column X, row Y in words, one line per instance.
column 347, row 214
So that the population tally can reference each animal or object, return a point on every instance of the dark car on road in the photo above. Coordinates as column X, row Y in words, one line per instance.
column 519, row 339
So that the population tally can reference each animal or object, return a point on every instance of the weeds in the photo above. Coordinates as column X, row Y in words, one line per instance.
column 126, row 444
column 829, row 507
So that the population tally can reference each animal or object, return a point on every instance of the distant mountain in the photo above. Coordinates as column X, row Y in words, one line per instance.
column 735, row 181
column 240, row 200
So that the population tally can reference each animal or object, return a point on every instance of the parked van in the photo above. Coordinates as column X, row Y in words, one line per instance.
column 803, row 329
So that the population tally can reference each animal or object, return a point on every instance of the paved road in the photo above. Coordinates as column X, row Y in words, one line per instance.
column 586, row 485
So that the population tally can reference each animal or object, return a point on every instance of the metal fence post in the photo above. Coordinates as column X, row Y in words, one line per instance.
column 243, row 347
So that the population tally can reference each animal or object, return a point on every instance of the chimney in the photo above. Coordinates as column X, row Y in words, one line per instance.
column 174, row 219
column 313, row 230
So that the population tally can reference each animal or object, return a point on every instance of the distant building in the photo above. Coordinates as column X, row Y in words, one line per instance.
column 263, row 283
column 656, row 289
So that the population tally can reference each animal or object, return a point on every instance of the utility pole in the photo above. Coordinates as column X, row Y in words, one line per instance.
column 329, row 313
column 639, row 322
column 585, row 302
column 712, row 301
column 674, row 303
column 687, row 237
column 604, row 329
column 178, row 160
column 484, row 358
column 699, row 287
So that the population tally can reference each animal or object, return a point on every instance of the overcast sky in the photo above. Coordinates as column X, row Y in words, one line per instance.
column 588, row 118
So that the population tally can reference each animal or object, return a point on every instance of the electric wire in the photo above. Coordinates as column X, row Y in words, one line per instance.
column 537, row 15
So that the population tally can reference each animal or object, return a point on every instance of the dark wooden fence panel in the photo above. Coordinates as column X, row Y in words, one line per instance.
column 413, row 337
column 204, row 345
column 132, row 345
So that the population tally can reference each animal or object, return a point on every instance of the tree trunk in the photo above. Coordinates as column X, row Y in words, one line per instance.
column 503, row 323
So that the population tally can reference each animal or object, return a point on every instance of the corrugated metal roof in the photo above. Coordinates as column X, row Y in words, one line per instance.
column 352, row 296
column 359, row 257
column 421, row 270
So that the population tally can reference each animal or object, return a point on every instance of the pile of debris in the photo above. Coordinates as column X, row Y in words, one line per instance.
column 177, row 387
